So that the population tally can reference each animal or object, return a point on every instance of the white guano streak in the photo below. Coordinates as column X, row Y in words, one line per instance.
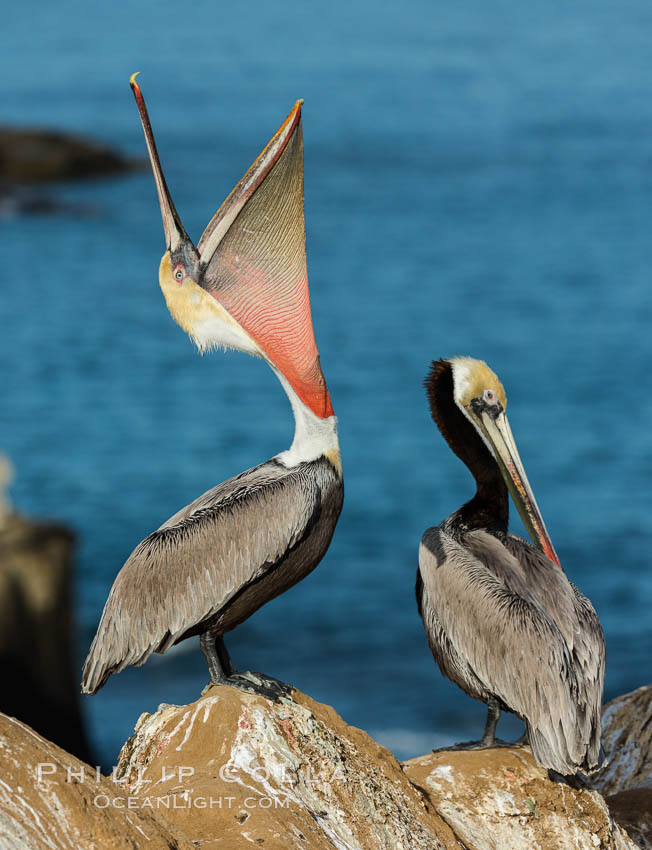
column 257, row 744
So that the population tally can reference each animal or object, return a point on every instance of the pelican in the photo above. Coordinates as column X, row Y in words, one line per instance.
column 503, row 621
column 216, row 561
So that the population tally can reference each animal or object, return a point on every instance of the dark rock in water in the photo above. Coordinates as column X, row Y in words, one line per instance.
column 26, row 200
column 39, row 680
column 30, row 156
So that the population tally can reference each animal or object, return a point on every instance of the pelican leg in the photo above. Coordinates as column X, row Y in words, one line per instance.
column 215, row 658
column 488, row 739
column 222, row 672
column 493, row 716
column 223, row 655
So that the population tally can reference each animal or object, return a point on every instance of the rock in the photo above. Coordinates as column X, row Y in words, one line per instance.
column 234, row 769
column 632, row 809
column 500, row 798
column 18, row 200
column 36, row 630
column 627, row 742
column 626, row 779
column 280, row 775
column 32, row 155
column 49, row 799
column 294, row 775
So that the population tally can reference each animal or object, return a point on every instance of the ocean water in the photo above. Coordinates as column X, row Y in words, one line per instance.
column 478, row 181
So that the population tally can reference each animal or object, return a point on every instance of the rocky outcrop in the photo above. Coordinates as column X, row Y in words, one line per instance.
column 632, row 809
column 294, row 775
column 500, row 798
column 626, row 780
column 627, row 742
column 234, row 770
column 49, row 800
column 30, row 158
column 32, row 155
column 281, row 775
column 36, row 630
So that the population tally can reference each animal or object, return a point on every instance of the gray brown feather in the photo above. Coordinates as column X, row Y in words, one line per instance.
column 504, row 622
column 215, row 562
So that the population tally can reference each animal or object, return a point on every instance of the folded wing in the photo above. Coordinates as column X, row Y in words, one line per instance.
column 543, row 658
column 189, row 569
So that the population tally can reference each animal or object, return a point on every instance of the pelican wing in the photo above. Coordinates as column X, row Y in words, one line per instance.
column 583, row 635
column 530, row 640
column 195, row 563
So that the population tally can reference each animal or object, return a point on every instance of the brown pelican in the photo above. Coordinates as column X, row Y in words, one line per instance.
column 503, row 621
column 216, row 561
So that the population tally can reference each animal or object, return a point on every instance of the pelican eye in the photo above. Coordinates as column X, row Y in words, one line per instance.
column 489, row 396
column 179, row 273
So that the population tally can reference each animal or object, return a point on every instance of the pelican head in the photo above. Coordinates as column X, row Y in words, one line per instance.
column 245, row 285
column 479, row 394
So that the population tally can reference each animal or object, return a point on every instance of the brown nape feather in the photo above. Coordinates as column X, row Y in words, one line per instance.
column 489, row 508
column 455, row 428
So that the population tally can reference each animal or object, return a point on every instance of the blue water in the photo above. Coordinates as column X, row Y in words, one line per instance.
column 478, row 181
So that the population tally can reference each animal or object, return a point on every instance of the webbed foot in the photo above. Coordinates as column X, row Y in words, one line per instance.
column 254, row 683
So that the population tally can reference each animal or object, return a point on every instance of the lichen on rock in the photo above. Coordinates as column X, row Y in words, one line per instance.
column 287, row 774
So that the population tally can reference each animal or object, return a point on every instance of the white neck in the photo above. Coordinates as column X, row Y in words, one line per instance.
column 313, row 437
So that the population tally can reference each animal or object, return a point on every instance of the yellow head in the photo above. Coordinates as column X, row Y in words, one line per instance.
column 473, row 380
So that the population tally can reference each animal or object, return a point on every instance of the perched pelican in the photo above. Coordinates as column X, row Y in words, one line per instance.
column 244, row 542
column 503, row 621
